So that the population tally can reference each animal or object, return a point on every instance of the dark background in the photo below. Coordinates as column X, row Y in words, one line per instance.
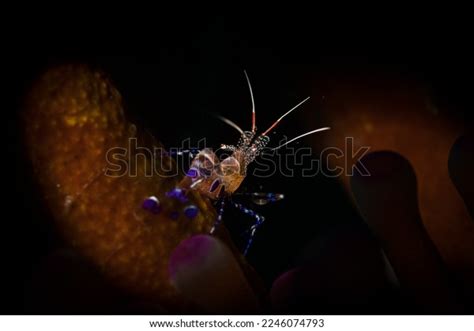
column 194, row 67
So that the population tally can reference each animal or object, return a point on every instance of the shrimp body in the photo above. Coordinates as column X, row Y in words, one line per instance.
column 214, row 178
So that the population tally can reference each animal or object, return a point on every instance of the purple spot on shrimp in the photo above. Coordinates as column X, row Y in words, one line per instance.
column 205, row 172
column 191, row 211
column 192, row 172
column 215, row 184
column 152, row 204
column 174, row 215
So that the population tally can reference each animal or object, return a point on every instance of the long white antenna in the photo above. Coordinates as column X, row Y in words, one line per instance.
column 253, row 102
column 301, row 136
column 230, row 123
column 285, row 114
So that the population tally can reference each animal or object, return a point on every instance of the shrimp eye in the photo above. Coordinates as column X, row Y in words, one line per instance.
column 229, row 166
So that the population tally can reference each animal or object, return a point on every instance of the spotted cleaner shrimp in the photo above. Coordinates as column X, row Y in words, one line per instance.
column 219, row 179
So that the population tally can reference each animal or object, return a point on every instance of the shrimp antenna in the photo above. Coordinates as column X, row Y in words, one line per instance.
column 301, row 136
column 253, row 102
column 285, row 114
column 230, row 123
